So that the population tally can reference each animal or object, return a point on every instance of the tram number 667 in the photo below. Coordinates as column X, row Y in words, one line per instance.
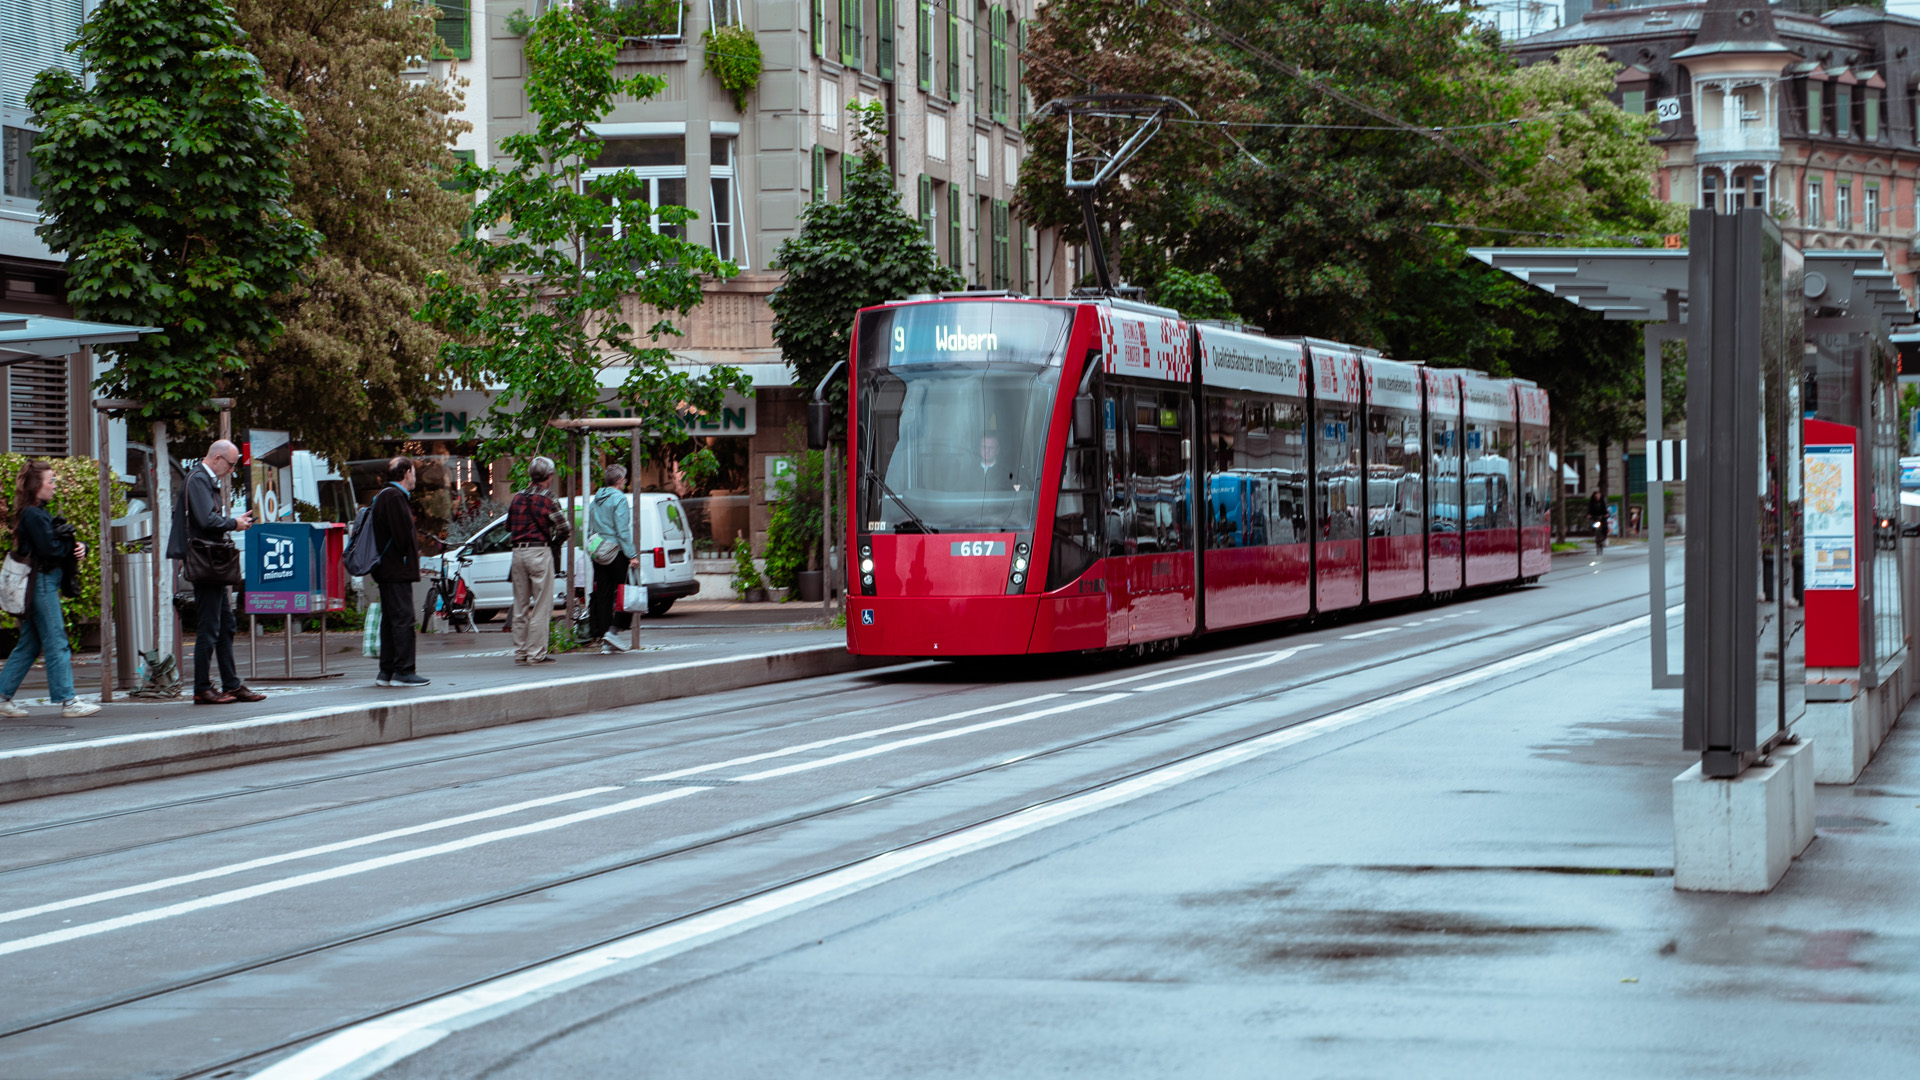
column 979, row 547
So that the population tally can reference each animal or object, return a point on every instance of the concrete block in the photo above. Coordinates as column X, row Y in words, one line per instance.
column 1844, row 731
column 1741, row 835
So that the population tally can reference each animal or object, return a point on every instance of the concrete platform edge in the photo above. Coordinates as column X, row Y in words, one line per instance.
column 59, row 768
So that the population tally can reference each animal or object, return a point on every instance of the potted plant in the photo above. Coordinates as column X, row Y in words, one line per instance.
column 746, row 576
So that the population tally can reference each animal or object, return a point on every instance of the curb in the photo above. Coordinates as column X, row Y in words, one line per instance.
column 32, row 771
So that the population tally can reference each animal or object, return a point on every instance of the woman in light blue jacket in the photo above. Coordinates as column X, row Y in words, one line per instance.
column 610, row 514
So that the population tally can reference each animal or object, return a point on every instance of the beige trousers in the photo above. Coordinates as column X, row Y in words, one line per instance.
column 532, row 576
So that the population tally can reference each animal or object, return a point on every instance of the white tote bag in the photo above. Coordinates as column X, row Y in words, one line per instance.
column 14, row 576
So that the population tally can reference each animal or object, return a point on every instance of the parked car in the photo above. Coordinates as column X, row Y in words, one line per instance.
column 666, row 559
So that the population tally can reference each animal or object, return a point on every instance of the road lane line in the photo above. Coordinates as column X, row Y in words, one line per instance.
column 1371, row 633
column 234, row 896
column 303, row 853
column 935, row 736
column 802, row 748
column 364, row 1049
column 1268, row 659
column 1157, row 672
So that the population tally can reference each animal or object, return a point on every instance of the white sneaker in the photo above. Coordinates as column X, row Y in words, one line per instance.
column 606, row 648
column 10, row 710
column 611, row 644
column 77, row 708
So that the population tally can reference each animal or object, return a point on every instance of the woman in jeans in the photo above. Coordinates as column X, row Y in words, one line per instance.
column 42, row 628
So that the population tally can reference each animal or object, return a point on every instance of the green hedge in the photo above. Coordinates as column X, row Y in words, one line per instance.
column 78, row 501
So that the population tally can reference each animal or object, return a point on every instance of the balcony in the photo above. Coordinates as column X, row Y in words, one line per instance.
column 1747, row 142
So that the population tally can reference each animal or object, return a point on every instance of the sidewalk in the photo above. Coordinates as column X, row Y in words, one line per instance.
column 701, row 647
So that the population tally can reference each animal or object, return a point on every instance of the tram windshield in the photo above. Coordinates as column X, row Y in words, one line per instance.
column 955, row 400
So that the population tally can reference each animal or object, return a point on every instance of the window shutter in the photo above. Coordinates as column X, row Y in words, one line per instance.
column 923, row 44
column 997, row 64
column 955, row 236
column 37, row 413
column 883, row 14
column 850, row 33
column 953, row 55
column 454, row 29
column 819, row 174
column 926, row 205
column 819, row 27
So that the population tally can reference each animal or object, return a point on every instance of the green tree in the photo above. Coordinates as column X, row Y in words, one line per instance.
column 1196, row 296
column 367, row 177
column 561, row 255
column 860, row 251
column 163, row 177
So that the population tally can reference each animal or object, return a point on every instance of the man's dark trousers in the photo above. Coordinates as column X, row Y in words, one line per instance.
column 213, row 638
column 396, row 628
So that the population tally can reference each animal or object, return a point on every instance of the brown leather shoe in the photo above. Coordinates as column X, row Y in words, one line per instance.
column 213, row 697
column 241, row 693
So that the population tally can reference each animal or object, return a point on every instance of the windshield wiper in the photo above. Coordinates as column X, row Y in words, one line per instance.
column 912, row 517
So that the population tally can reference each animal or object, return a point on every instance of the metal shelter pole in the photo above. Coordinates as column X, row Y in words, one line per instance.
column 106, row 558
column 633, row 500
column 162, row 525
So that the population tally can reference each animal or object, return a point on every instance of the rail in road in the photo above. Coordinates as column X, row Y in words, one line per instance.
column 209, row 925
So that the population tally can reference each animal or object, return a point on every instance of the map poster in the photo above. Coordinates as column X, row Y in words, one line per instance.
column 1829, row 516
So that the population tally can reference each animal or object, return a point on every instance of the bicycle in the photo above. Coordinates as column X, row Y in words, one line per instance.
column 449, row 597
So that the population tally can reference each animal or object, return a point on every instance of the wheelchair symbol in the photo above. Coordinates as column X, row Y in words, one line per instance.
column 866, row 617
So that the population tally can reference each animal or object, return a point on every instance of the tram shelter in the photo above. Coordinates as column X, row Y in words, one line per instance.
column 1792, row 478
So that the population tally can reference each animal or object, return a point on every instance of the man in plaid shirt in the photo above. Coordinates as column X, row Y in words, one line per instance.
column 530, row 523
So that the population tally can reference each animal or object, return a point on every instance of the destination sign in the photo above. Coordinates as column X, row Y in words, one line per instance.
column 1240, row 361
column 964, row 331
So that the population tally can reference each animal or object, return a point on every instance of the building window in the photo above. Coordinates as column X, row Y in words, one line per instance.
column 923, row 44
column 1815, row 215
column 1813, row 108
column 982, row 156
column 830, row 105
column 1843, row 204
column 723, row 13
column 1633, row 102
column 18, row 183
column 1710, row 191
column 1870, row 208
column 936, row 136
column 726, row 205
column 955, row 229
column 925, row 206
column 1872, row 105
column 1843, row 111
column 659, row 168
column 953, row 54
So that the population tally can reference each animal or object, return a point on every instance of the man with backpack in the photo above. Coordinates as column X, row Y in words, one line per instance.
column 395, row 570
column 610, row 543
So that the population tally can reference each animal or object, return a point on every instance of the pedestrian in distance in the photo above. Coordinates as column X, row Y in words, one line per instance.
column 1597, row 513
column 54, row 555
column 530, row 525
column 610, row 516
column 197, row 516
column 395, row 572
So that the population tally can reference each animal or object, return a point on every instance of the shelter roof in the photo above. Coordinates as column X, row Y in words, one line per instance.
column 33, row 337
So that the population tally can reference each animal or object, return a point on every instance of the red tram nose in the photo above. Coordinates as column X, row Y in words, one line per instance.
column 943, row 594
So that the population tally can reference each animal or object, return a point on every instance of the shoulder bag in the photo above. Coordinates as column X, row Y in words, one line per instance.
column 603, row 548
column 16, row 574
column 214, row 562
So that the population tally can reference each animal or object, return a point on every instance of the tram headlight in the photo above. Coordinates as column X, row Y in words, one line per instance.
column 866, row 567
column 1018, row 577
column 1020, row 562
column 866, row 550
column 1021, row 547
column 867, row 580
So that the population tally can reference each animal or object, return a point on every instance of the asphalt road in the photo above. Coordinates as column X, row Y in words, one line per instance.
column 214, row 924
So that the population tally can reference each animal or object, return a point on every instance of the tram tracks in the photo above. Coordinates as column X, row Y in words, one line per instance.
column 1237, row 640
column 725, row 836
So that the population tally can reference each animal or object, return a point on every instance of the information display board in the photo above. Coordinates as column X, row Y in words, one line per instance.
column 295, row 567
column 1830, row 525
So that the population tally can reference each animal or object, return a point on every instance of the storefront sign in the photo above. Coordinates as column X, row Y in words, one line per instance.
column 1830, row 516
column 780, row 471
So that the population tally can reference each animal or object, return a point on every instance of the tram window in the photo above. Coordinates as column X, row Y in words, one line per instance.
column 1536, row 486
column 1337, row 473
column 1395, row 491
column 1490, row 453
column 1157, row 474
column 1443, row 466
column 1256, row 462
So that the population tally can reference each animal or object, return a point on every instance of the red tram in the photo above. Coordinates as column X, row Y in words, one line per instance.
column 1035, row 476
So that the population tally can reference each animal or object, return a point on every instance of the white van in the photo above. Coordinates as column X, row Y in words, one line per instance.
column 666, row 559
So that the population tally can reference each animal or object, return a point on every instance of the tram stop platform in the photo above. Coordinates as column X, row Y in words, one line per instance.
column 701, row 647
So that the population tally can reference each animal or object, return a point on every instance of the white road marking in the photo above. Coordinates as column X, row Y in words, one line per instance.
column 267, row 888
column 364, row 1049
column 935, row 736
column 1372, row 633
column 1270, row 658
column 303, row 853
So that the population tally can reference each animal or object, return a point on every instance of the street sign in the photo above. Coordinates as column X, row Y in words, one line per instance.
column 295, row 566
column 780, row 470
column 1668, row 109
